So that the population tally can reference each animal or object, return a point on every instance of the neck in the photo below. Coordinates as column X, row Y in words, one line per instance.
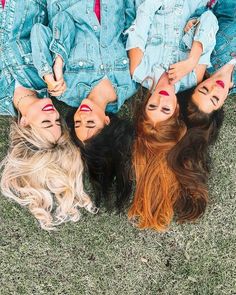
column 225, row 73
column 99, row 101
column 22, row 103
column 103, row 93
column 165, row 83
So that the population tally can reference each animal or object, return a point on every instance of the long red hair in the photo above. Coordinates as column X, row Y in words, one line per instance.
column 157, row 188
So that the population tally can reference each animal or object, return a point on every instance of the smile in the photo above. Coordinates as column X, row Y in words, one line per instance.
column 163, row 92
column 85, row 108
column 220, row 83
column 48, row 107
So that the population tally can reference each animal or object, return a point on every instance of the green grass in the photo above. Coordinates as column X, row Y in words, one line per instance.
column 104, row 254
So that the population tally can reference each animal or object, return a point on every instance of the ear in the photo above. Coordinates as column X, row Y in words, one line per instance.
column 23, row 121
column 177, row 108
column 107, row 120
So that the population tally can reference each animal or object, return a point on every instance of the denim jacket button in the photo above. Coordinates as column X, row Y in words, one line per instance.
column 102, row 67
column 125, row 61
column 81, row 63
column 95, row 28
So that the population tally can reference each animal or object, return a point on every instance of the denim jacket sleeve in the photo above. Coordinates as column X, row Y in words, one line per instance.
column 205, row 33
column 129, row 13
column 138, row 31
column 63, row 30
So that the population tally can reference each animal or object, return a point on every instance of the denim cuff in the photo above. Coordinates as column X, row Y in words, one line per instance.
column 134, row 40
column 45, row 69
column 58, row 49
column 206, row 32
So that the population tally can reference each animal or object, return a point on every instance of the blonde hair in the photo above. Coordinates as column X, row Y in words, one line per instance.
column 45, row 176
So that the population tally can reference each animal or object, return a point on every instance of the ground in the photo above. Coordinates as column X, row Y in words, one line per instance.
column 105, row 254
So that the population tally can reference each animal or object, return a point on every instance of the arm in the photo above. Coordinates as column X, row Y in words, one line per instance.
column 63, row 29
column 204, row 41
column 139, row 30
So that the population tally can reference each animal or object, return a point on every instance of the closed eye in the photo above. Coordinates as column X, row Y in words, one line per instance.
column 204, row 90
column 58, row 122
column 165, row 110
column 48, row 123
column 152, row 107
column 214, row 100
column 90, row 124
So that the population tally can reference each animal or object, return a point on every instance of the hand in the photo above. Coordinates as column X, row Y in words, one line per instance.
column 55, row 88
column 180, row 69
column 190, row 24
column 56, row 83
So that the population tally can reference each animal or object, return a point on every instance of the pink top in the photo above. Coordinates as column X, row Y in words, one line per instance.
column 211, row 3
column 3, row 3
column 96, row 9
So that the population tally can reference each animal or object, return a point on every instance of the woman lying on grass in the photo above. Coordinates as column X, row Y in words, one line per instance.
column 204, row 109
column 42, row 169
column 166, row 61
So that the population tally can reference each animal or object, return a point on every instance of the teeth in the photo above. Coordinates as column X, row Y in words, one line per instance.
column 84, row 109
column 49, row 108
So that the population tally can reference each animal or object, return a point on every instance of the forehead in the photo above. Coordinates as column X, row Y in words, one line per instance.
column 84, row 133
column 202, row 101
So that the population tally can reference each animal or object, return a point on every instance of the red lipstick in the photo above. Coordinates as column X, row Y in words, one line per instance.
column 85, row 108
column 220, row 83
column 48, row 107
column 163, row 92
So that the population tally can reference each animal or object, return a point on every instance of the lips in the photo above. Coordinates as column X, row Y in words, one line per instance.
column 48, row 107
column 85, row 108
column 220, row 83
column 163, row 92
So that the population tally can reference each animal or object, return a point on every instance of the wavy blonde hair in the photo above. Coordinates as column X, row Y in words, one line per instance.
column 44, row 176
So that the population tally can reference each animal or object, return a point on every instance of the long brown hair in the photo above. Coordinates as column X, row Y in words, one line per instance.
column 157, row 187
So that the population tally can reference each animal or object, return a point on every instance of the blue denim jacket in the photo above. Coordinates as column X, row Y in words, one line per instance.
column 225, row 49
column 16, row 21
column 90, row 50
column 159, row 32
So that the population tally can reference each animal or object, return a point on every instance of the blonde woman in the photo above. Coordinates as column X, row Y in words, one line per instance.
column 43, row 170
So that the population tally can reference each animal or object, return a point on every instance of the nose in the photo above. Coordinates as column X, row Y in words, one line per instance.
column 212, row 87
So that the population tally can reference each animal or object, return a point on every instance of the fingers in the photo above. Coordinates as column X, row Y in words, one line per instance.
column 189, row 25
column 59, row 89
column 173, row 74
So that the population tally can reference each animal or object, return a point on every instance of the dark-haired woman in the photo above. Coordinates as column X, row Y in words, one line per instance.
column 205, row 107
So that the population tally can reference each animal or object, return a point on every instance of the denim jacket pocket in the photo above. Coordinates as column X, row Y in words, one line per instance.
column 25, row 50
column 155, row 40
column 80, row 65
column 83, row 90
column 122, row 64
